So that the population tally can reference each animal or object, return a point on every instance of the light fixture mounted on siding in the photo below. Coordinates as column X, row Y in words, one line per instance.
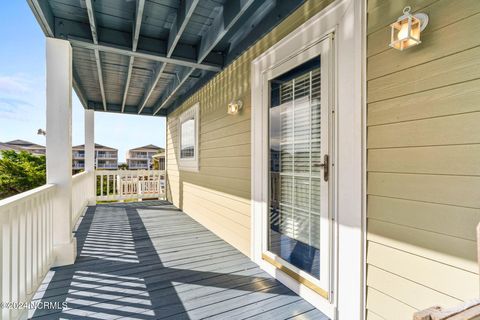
column 406, row 30
column 234, row 107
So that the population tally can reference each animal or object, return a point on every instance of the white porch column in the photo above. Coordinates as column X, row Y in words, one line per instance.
column 59, row 146
column 90, row 151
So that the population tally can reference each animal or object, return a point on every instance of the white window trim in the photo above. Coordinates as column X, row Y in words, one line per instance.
column 190, row 164
column 347, row 19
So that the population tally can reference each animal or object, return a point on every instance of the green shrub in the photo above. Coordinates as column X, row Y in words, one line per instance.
column 20, row 172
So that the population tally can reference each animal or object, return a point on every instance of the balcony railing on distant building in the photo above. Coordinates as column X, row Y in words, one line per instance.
column 107, row 155
column 78, row 166
column 139, row 156
column 138, row 166
column 107, row 166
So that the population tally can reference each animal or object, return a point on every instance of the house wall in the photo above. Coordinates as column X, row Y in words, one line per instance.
column 423, row 140
column 218, row 196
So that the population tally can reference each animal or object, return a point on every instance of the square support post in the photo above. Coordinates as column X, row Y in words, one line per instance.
column 59, row 146
column 90, row 153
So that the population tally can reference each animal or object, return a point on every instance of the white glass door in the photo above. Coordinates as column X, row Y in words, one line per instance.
column 297, row 227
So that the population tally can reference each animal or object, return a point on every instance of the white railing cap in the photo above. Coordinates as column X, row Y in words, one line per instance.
column 16, row 199
column 120, row 171
column 80, row 175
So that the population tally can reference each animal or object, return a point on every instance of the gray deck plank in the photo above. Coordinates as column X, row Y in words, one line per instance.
column 309, row 315
column 149, row 260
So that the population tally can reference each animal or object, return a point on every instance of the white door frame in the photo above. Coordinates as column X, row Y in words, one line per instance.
column 323, row 47
column 345, row 18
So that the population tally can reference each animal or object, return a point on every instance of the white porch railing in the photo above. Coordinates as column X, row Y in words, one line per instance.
column 26, row 227
column 81, row 186
column 129, row 184
column 26, row 246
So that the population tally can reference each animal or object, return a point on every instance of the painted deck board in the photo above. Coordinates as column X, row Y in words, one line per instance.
column 149, row 260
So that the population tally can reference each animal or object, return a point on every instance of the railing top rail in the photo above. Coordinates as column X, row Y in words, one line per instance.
column 80, row 175
column 19, row 198
column 110, row 172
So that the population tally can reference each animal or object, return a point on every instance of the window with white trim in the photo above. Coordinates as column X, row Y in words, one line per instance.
column 188, row 138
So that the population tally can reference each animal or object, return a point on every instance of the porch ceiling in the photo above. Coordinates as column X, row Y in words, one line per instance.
column 147, row 56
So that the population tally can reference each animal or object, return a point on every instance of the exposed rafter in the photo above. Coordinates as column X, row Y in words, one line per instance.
column 229, row 31
column 93, row 28
column 138, row 23
column 136, row 34
column 173, row 87
column 184, row 14
column 44, row 15
column 222, row 24
column 266, row 17
column 148, row 55
column 78, row 89
column 151, row 85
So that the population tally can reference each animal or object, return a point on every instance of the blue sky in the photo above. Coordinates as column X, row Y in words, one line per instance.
column 22, row 91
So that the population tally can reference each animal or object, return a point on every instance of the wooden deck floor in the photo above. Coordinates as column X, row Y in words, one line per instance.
column 149, row 260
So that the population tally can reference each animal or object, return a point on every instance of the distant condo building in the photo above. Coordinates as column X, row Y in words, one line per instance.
column 22, row 145
column 142, row 157
column 105, row 157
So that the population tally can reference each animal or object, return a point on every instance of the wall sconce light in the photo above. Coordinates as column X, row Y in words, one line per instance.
column 234, row 107
column 406, row 30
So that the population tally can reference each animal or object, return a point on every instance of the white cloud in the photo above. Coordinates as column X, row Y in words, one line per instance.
column 12, row 108
column 19, row 94
column 12, row 85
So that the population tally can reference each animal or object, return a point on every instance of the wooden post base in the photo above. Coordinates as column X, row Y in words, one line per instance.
column 467, row 311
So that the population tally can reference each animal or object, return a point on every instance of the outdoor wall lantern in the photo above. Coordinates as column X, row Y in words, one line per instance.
column 406, row 30
column 234, row 107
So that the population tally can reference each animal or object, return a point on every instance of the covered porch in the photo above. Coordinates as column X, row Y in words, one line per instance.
column 149, row 260
column 76, row 259
column 298, row 117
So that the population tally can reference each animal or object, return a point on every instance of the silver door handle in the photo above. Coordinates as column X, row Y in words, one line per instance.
column 325, row 166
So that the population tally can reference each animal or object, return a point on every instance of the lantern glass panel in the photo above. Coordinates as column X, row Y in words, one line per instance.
column 405, row 33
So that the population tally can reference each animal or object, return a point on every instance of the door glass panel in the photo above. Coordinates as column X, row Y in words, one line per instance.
column 295, row 171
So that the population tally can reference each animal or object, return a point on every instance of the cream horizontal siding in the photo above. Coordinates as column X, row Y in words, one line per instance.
column 394, row 285
column 423, row 165
column 219, row 195
column 373, row 316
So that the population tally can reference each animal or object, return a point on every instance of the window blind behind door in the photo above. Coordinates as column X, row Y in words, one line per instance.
column 300, row 157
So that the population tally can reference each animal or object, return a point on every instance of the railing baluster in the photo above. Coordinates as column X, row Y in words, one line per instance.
column 41, row 234
column 14, row 262
column 38, row 245
column 44, row 237
column 80, row 193
column 127, row 180
column 101, row 185
column 5, row 259
column 34, row 241
column 49, row 208
column 25, row 246
column 22, row 242
column 108, row 184
column 50, row 226
column 124, row 184
column 29, row 244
